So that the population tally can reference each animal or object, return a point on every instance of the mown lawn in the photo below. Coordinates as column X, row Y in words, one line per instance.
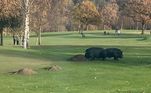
column 132, row 74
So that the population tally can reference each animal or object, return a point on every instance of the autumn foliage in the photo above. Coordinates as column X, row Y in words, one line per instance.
column 138, row 10
column 109, row 13
column 86, row 12
column 10, row 8
column 11, row 15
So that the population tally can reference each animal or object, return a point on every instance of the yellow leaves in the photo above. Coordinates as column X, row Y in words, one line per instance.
column 89, row 5
column 86, row 11
column 65, row 2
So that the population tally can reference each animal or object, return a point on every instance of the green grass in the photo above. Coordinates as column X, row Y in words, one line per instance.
column 129, row 75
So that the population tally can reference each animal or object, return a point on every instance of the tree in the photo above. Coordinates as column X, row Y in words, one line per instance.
column 109, row 13
column 138, row 10
column 26, row 30
column 10, row 15
column 57, row 15
column 38, row 17
column 86, row 13
column 77, row 1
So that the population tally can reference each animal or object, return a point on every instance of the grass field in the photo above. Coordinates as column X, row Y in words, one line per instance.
column 132, row 74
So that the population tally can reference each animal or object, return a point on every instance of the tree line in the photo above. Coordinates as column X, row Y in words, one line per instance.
column 24, row 16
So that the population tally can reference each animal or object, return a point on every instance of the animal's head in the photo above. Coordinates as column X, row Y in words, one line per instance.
column 121, row 54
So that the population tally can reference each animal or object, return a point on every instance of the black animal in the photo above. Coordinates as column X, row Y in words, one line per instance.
column 112, row 52
column 97, row 53
column 93, row 53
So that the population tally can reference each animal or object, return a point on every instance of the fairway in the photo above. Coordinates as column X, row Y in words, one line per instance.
column 132, row 74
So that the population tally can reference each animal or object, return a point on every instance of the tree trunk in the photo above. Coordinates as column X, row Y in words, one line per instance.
column 122, row 23
column 21, row 40
column 26, row 32
column 137, row 26
column 14, row 41
column 87, row 27
column 143, row 28
column 103, row 27
column 79, row 27
column 39, row 37
column 1, row 34
column 81, row 30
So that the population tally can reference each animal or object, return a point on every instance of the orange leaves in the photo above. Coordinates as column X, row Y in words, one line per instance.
column 10, row 8
column 86, row 12
column 88, row 5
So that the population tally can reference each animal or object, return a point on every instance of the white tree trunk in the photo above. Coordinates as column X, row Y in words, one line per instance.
column 26, row 32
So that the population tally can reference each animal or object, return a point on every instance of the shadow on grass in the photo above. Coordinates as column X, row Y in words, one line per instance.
column 145, row 38
column 92, row 35
column 53, row 34
column 133, row 55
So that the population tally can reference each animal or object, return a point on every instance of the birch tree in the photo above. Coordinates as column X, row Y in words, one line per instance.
column 26, row 30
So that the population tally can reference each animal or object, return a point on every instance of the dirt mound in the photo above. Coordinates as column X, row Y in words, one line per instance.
column 24, row 71
column 78, row 58
column 53, row 68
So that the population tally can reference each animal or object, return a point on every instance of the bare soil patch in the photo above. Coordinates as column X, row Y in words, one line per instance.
column 53, row 68
column 24, row 71
column 78, row 58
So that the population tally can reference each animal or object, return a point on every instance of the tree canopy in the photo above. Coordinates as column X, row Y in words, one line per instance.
column 11, row 14
column 138, row 10
column 86, row 12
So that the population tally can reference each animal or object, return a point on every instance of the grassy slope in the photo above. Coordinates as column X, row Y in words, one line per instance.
column 129, row 75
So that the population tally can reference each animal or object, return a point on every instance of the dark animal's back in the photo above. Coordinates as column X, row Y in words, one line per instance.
column 93, row 52
column 93, row 49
